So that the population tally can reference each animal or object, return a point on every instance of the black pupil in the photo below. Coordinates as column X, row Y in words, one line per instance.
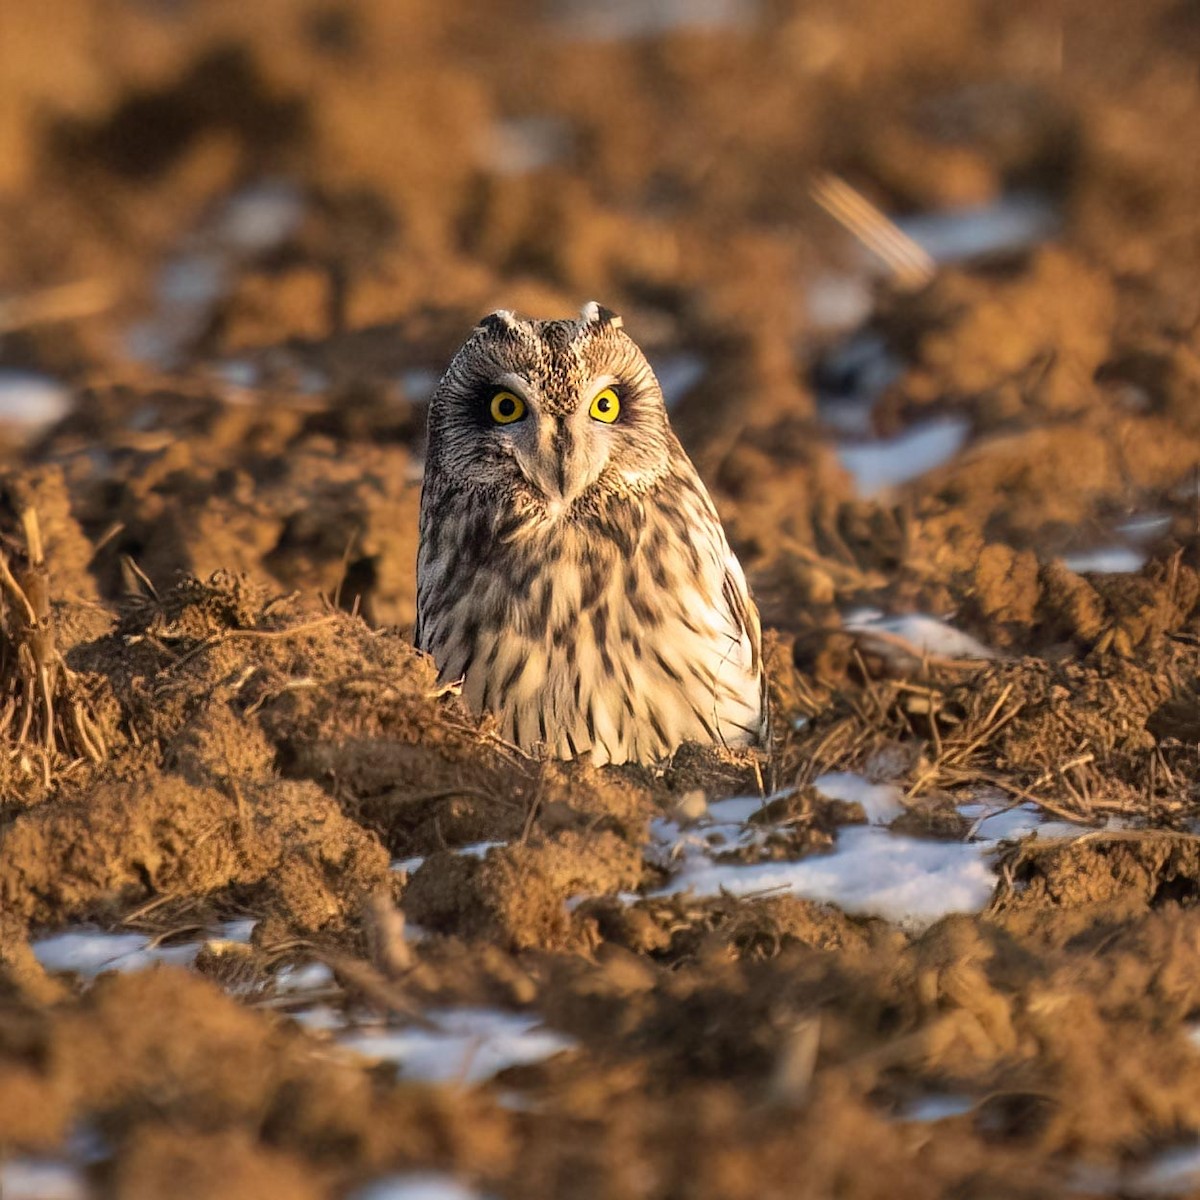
column 604, row 404
column 507, row 406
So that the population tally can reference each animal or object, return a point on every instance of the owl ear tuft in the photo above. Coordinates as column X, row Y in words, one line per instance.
column 594, row 313
column 500, row 321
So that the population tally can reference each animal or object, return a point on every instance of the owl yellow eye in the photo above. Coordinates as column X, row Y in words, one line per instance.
column 605, row 406
column 507, row 407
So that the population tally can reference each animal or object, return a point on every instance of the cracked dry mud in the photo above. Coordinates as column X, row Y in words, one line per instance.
column 240, row 728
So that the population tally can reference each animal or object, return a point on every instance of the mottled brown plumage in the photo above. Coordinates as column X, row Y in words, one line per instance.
column 573, row 572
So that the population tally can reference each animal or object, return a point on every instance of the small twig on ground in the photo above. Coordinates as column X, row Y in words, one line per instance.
column 230, row 635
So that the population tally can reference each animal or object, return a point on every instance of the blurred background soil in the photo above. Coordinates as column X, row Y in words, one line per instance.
column 238, row 243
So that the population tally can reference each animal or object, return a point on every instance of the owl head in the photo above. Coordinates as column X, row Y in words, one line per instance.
column 554, row 413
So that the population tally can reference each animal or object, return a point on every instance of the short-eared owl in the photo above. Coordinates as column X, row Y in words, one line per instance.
column 573, row 572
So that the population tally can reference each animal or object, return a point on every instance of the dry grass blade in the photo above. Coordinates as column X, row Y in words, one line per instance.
column 1027, row 797
column 269, row 635
column 956, row 752
column 46, row 714
column 901, row 652
column 790, row 1082
column 376, row 988
column 64, row 302
column 387, row 949
column 909, row 262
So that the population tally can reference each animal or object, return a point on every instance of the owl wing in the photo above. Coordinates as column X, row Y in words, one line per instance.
column 743, row 613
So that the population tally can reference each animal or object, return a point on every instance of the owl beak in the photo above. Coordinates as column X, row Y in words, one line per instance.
column 558, row 470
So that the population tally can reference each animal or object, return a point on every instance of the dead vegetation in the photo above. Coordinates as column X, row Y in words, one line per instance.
column 47, row 723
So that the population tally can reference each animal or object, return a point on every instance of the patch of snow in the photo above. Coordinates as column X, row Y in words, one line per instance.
column 838, row 301
column 237, row 373
column 1144, row 526
column 87, row 1145
column 418, row 384
column 261, row 216
column 882, row 802
column 939, row 1106
column 870, row 870
column 1172, row 1173
column 474, row 850
column 311, row 382
column 308, row 978
column 851, row 416
column 520, row 145
column 850, row 379
column 30, row 402
column 320, row 1018
column 479, row 849
column 187, row 287
column 41, row 1179
column 252, row 221
column 616, row 20
column 416, row 1185
column 677, row 374
column 1106, row 560
column 191, row 281
column 737, row 810
column 88, row 952
column 881, row 465
column 725, row 829
column 925, row 634
column 148, row 341
column 466, row 1045
column 907, row 880
column 1013, row 222
column 1003, row 822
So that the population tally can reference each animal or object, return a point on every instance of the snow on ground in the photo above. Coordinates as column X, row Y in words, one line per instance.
column 42, row 1179
column 1142, row 526
column 616, row 20
column 416, row 1185
column 889, row 462
column 926, row 635
column 882, row 802
column 474, row 850
column 1011, row 223
column 311, row 977
column 465, row 1045
column 30, row 402
column 677, row 374
column 907, row 880
column 1106, row 560
column 938, row 1106
column 872, row 871
column 1173, row 1173
column 520, row 145
column 1006, row 822
column 90, row 951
